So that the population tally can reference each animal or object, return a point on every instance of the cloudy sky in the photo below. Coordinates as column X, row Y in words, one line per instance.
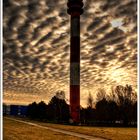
column 37, row 49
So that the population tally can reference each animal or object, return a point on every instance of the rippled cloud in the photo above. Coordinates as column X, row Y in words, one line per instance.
column 36, row 47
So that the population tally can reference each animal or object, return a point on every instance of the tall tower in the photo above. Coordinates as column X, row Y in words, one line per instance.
column 75, row 10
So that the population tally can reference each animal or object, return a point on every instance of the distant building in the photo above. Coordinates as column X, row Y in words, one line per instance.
column 23, row 110
column 6, row 109
column 15, row 110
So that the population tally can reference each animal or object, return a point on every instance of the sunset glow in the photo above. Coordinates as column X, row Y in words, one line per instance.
column 37, row 48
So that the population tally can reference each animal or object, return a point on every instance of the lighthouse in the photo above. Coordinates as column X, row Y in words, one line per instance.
column 75, row 10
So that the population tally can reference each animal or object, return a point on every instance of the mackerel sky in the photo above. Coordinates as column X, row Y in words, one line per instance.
column 36, row 48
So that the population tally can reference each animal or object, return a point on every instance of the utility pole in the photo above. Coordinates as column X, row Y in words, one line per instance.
column 75, row 10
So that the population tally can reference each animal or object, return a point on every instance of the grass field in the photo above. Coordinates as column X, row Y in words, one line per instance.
column 14, row 130
column 18, row 131
column 111, row 133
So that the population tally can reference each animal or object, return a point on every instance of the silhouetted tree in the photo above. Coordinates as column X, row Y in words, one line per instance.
column 112, row 111
column 60, row 94
column 101, row 94
column 32, row 111
column 134, row 112
column 82, row 115
column 120, row 105
column 42, row 110
column 90, row 115
column 125, row 101
column 58, row 109
column 90, row 101
column 102, row 110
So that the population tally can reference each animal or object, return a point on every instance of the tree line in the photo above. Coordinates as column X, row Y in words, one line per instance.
column 57, row 110
column 119, row 107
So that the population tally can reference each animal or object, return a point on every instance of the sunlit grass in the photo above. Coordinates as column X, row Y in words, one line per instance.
column 112, row 133
column 18, row 131
column 14, row 130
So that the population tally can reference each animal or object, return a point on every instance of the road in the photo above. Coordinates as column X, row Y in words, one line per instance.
column 84, row 136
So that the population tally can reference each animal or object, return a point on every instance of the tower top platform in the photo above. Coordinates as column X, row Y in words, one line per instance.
column 75, row 6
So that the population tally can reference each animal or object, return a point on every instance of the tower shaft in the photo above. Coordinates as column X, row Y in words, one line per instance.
column 75, row 10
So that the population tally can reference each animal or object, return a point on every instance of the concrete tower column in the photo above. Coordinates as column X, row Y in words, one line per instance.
column 75, row 10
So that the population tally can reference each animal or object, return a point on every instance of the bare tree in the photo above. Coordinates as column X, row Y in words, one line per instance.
column 101, row 94
column 90, row 101
column 60, row 94
column 125, row 93
column 126, row 98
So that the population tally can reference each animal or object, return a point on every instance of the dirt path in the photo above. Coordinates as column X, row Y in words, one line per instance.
column 87, row 137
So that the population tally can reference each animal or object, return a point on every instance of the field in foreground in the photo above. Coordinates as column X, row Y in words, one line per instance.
column 18, row 131
column 111, row 133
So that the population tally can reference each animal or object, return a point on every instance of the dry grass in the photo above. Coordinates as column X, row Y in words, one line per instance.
column 110, row 133
column 18, row 131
